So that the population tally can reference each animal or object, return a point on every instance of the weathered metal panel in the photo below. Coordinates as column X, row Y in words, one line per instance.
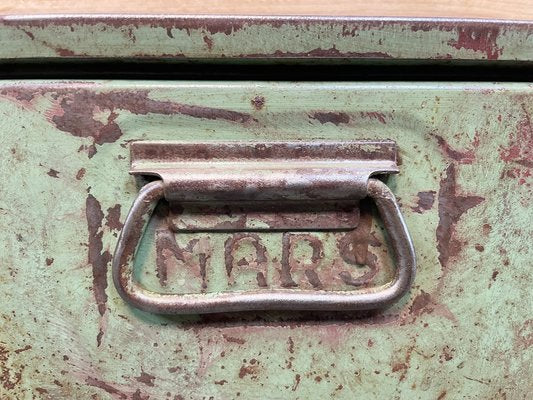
column 465, row 186
column 230, row 37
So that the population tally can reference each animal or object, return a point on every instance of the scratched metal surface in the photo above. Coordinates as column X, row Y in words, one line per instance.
column 464, row 331
column 233, row 37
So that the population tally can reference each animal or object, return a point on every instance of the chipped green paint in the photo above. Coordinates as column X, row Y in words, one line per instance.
column 465, row 188
column 212, row 37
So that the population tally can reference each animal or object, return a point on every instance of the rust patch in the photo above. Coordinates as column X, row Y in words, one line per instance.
column 478, row 38
column 97, row 258
column 19, row 96
column 261, row 280
column 519, row 150
column 145, row 378
column 429, row 26
column 231, row 339
column 63, row 52
column 420, row 302
column 208, row 41
column 403, row 366
column 229, row 25
column 211, row 25
column 164, row 241
column 25, row 348
column 258, row 102
column 166, row 245
column 290, row 343
column 289, row 265
column 353, row 248
column 447, row 354
column 251, row 370
column 9, row 378
column 77, row 116
column 86, row 113
column 451, row 207
column 336, row 118
column 80, row 174
column 53, row 173
column 332, row 52
column 313, row 278
column 259, row 262
column 49, row 261
column 105, row 386
column 400, row 367
column 425, row 201
column 29, row 34
column 137, row 395
column 297, row 379
column 463, row 156
column 425, row 304
column 374, row 115
column 113, row 218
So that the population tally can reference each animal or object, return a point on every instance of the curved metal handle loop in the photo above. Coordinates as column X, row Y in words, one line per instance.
column 275, row 299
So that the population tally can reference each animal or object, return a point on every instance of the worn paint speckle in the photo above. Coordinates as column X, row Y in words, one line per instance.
column 258, row 102
column 53, row 173
column 80, row 174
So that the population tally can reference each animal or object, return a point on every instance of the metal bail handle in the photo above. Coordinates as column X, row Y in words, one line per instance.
column 265, row 299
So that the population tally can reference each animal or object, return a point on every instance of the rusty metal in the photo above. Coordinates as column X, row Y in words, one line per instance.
column 263, row 171
column 284, row 37
column 268, row 171
column 464, row 330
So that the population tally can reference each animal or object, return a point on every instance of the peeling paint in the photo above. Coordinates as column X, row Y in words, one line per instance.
column 479, row 39
column 451, row 207
column 97, row 257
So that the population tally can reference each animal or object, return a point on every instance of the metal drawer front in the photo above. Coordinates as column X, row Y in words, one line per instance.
column 464, row 189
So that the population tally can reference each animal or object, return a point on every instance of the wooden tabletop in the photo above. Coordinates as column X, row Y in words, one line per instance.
column 491, row 9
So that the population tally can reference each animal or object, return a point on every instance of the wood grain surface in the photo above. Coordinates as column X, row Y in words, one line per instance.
column 493, row 9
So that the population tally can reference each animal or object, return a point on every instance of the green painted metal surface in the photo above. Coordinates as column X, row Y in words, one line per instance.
column 465, row 330
column 242, row 38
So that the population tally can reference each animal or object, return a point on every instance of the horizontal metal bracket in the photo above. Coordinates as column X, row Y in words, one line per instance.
column 262, row 171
